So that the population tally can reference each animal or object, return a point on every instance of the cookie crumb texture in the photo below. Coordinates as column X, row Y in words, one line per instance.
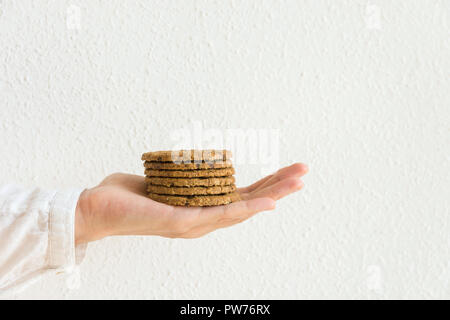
column 187, row 156
column 203, row 178
column 193, row 182
column 187, row 166
column 196, row 201
column 191, row 190
column 190, row 173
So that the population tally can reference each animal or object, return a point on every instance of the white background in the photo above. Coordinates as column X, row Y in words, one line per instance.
column 360, row 91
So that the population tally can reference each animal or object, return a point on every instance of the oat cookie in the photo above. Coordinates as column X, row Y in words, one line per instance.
column 196, row 201
column 187, row 166
column 187, row 155
column 190, row 173
column 191, row 190
column 193, row 182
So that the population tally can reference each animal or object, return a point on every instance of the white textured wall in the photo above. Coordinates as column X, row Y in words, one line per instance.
column 360, row 91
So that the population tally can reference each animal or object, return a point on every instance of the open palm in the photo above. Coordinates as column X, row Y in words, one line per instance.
column 119, row 206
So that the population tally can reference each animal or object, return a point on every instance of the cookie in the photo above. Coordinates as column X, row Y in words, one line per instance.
column 196, row 201
column 190, row 173
column 191, row 190
column 187, row 156
column 187, row 166
column 194, row 182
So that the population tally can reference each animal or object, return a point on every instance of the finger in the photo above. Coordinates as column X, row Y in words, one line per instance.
column 278, row 190
column 255, row 185
column 295, row 170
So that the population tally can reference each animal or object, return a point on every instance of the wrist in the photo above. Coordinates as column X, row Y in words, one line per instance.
column 81, row 217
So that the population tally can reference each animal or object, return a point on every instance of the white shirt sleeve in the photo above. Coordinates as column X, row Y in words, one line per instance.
column 36, row 234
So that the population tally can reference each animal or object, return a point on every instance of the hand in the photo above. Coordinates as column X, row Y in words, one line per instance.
column 119, row 206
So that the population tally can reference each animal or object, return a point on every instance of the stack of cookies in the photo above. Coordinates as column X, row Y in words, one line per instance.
column 193, row 178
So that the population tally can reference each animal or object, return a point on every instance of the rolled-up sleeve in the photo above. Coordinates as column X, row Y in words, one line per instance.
column 37, row 234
